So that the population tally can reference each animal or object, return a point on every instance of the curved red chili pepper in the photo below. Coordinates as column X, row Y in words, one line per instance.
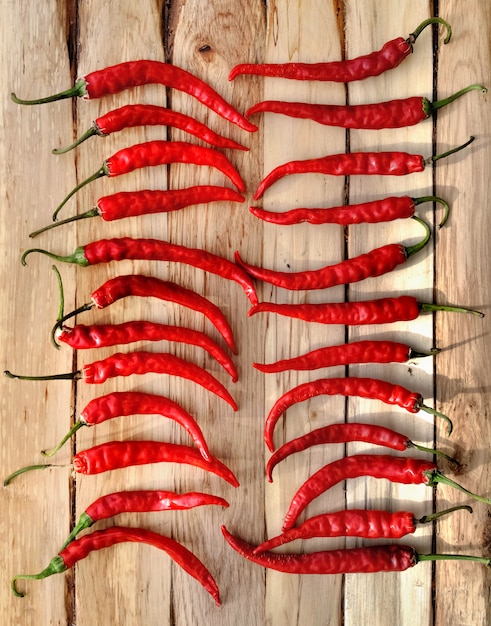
column 372, row 388
column 83, row 337
column 132, row 115
column 99, row 539
column 157, row 152
column 373, row 64
column 127, row 248
column 374, row 263
column 122, row 76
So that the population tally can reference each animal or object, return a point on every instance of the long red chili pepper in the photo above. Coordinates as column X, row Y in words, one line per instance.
column 157, row 152
column 346, row 433
column 124, row 403
column 99, row 539
column 139, row 363
column 373, row 64
column 369, row 524
column 119, row 502
column 374, row 263
column 371, row 388
column 391, row 114
column 374, row 212
column 122, row 76
column 132, row 115
column 83, row 337
column 377, row 311
column 368, row 559
column 127, row 248
column 125, row 204
column 365, row 351
column 403, row 470
column 391, row 163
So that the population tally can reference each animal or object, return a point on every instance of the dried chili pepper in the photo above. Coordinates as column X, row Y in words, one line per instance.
column 369, row 524
column 122, row 76
column 345, row 433
column 124, row 403
column 139, row 363
column 157, row 152
column 373, row 64
column 391, row 114
column 125, row 204
column 127, row 248
column 132, row 115
column 119, row 502
column 374, row 263
column 374, row 212
column 377, row 311
column 99, row 539
column 371, row 388
column 403, row 470
column 367, row 560
column 365, row 351
column 391, row 163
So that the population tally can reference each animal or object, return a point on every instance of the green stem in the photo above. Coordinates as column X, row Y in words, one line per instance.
column 453, row 557
column 410, row 250
column 435, row 478
column 88, row 133
column 430, row 518
column 56, row 566
column 429, row 107
column 421, row 448
column 432, row 20
column 22, row 470
column 85, row 521
column 443, row 202
column 61, row 320
column 426, row 307
column 437, row 157
column 67, row 376
column 61, row 308
column 77, row 257
column 428, row 409
column 91, row 213
column 103, row 171
column 416, row 354
column 78, row 90
column 69, row 434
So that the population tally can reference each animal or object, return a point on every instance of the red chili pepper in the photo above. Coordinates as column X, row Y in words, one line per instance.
column 122, row 76
column 367, row 560
column 124, row 248
column 346, row 433
column 378, row 311
column 374, row 212
column 82, row 337
column 403, row 470
column 124, row 403
column 355, row 164
column 373, row 64
column 153, row 153
column 139, row 363
column 99, row 539
column 371, row 388
column 375, row 263
column 365, row 351
column 369, row 524
column 149, row 201
column 391, row 114
column 132, row 115
column 119, row 502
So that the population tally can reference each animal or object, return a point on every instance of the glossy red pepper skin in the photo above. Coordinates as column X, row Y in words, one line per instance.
column 403, row 470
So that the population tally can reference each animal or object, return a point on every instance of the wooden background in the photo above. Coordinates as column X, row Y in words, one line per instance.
column 43, row 51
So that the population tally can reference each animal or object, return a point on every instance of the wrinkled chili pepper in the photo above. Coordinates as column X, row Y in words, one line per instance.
column 355, row 164
column 364, row 351
column 139, row 363
column 132, row 115
column 113, row 455
column 122, row 76
column 99, row 539
column 371, row 388
column 373, row 64
column 125, row 204
column 391, row 114
column 369, row 524
column 374, row 263
column 377, row 311
column 403, row 470
column 368, row 559
column 157, row 152
column 119, row 502
column 127, row 248
column 124, row 403
column 346, row 433
column 374, row 212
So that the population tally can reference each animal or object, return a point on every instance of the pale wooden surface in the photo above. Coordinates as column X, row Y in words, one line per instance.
column 44, row 51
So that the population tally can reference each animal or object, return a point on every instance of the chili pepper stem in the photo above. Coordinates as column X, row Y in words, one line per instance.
column 84, row 521
column 66, row 376
column 410, row 250
column 69, row 434
column 436, row 477
column 90, row 213
column 103, row 171
column 437, row 157
column 432, row 106
column 78, row 90
column 453, row 557
column 56, row 566
column 23, row 470
column 88, row 133
column 417, row 446
column 427, row 308
column 431, row 411
column 433, row 516
column 77, row 257
column 443, row 202
column 416, row 354
column 432, row 20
